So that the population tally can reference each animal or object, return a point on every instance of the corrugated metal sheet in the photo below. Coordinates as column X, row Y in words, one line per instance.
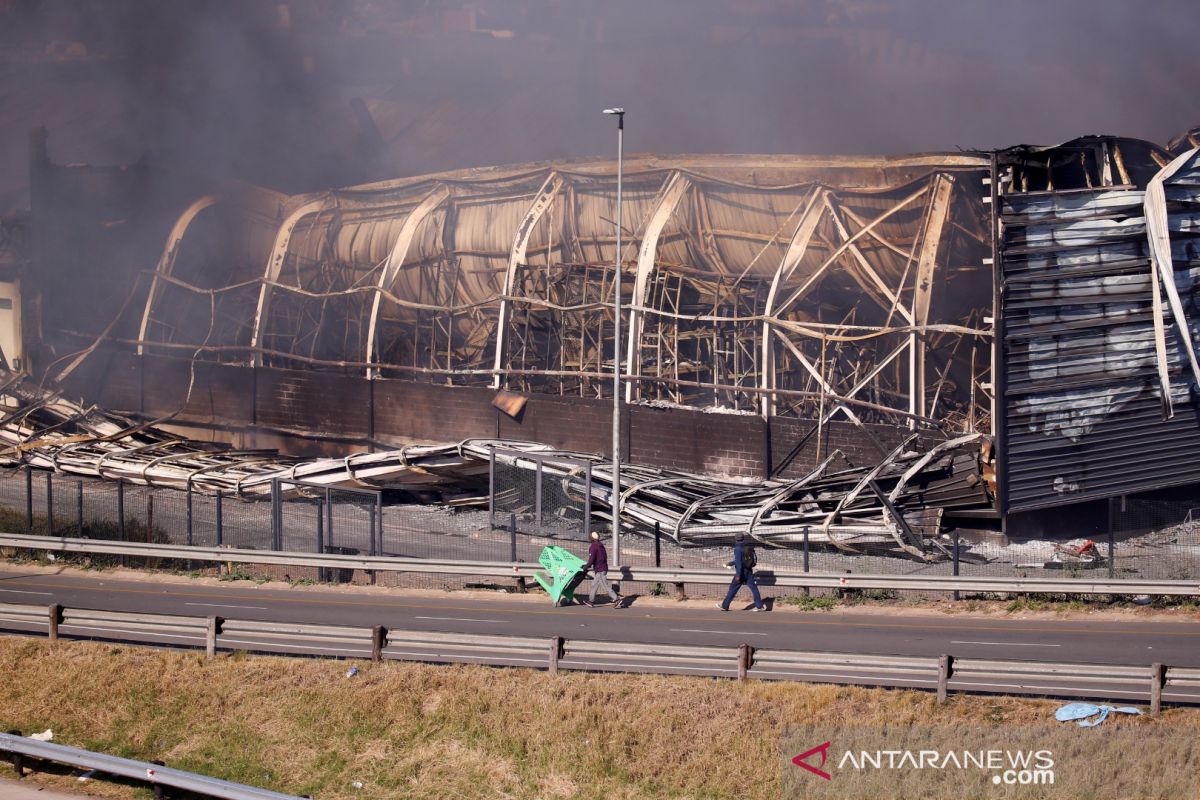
column 1083, row 410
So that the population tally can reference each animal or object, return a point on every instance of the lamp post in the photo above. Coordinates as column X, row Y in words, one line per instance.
column 619, row 113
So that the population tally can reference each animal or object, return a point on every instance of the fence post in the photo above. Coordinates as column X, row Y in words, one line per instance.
column 210, row 636
column 79, row 511
column 321, row 575
column 745, row 654
column 379, row 516
column 189, row 514
column 512, row 538
column 120, row 509
column 371, row 541
column 220, row 519
column 957, row 542
column 54, row 619
column 276, row 513
column 1112, row 546
column 945, row 671
column 49, row 503
column 806, row 589
column 556, row 647
column 537, row 497
column 657, row 543
column 378, row 642
column 587, row 504
column 29, row 500
column 121, row 515
column 1158, row 679
column 492, row 488
column 329, row 517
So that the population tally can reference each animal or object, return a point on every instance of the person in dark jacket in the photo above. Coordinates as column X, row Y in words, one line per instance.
column 598, row 562
column 743, row 573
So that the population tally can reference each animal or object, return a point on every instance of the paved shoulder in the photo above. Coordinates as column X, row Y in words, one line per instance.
column 29, row 790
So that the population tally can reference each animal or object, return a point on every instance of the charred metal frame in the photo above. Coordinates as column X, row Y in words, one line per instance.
column 772, row 285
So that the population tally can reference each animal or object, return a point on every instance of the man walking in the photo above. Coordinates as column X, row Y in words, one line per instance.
column 744, row 561
column 598, row 562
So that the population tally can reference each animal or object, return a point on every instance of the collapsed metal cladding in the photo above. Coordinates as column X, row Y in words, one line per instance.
column 885, row 347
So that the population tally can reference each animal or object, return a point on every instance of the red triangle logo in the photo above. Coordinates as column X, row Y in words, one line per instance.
column 823, row 749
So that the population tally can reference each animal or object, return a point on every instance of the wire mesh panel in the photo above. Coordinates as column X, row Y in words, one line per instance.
column 246, row 523
column 547, row 496
column 537, row 501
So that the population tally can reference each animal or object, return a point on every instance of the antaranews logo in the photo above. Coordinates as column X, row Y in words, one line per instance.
column 842, row 761
column 801, row 760
column 1008, row 767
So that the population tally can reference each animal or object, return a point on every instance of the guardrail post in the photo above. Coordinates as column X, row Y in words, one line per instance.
column 745, row 657
column 17, row 759
column 680, row 594
column 160, row 791
column 1158, row 679
column 55, row 617
column 220, row 520
column 29, row 500
column 657, row 544
column 49, row 503
column 79, row 511
column 556, row 649
column 945, row 671
column 955, row 557
column 378, row 642
column 210, row 636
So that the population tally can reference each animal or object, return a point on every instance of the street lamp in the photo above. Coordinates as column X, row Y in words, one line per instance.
column 619, row 113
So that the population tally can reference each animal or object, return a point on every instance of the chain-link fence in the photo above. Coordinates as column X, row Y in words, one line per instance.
column 533, row 503
column 546, row 496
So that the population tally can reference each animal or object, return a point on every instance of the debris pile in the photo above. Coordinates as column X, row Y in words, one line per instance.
column 897, row 503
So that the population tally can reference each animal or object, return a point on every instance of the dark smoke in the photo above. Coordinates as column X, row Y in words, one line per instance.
column 266, row 91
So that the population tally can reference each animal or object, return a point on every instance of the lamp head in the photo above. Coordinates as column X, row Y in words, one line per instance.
column 618, row 111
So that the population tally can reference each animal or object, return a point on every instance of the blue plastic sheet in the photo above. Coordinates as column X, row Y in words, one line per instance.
column 1083, row 712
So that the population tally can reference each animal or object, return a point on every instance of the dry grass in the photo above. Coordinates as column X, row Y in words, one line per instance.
column 415, row 731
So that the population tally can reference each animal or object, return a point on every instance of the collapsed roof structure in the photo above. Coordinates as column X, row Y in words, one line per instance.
column 1035, row 302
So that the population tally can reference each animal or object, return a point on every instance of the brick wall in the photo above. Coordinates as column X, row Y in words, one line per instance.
column 313, row 401
column 692, row 441
column 409, row 410
column 340, row 408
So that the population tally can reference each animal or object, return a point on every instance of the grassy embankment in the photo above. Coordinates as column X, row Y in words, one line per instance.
column 416, row 731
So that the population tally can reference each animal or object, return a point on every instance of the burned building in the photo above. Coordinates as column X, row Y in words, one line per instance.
column 779, row 308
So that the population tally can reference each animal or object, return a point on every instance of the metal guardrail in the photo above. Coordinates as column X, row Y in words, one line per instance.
column 509, row 569
column 943, row 673
column 21, row 748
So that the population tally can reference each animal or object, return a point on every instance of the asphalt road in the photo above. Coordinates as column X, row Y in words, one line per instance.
column 1115, row 641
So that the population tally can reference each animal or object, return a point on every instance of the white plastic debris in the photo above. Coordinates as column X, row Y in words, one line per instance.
column 44, row 736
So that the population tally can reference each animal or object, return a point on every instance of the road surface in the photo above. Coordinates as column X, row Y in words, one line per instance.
column 1115, row 640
